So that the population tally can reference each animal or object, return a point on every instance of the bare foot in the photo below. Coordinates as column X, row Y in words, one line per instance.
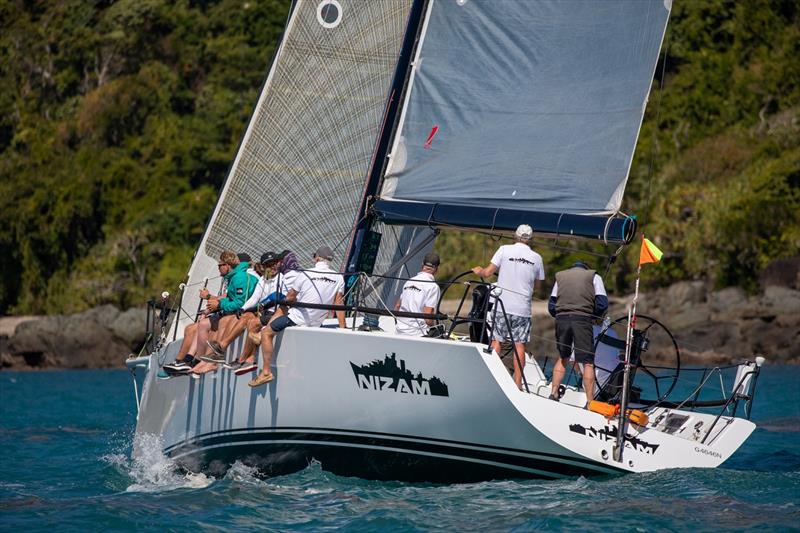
column 204, row 367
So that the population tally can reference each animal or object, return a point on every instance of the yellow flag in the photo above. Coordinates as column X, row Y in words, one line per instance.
column 650, row 252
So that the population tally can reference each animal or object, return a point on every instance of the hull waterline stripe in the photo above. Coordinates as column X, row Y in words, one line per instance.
column 577, row 460
column 543, row 473
column 513, row 461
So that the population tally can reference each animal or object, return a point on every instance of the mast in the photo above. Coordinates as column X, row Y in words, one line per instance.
column 364, row 217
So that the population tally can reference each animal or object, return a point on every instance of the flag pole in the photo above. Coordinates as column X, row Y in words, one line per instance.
column 623, row 407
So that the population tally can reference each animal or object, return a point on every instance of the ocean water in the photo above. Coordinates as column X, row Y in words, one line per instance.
column 65, row 440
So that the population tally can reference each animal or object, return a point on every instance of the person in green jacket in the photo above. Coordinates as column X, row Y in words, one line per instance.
column 240, row 286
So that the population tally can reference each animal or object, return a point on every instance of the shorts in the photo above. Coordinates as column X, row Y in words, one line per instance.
column 577, row 331
column 265, row 316
column 214, row 318
column 281, row 323
column 520, row 329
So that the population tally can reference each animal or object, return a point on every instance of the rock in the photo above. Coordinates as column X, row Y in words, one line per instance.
column 688, row 317
column 781, row 273
column 686, row 293
column 780, row 300
column 130, row 326
column 83, row 340
column 727, row 300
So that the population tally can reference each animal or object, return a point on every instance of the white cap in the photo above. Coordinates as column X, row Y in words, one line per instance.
column 524, row 232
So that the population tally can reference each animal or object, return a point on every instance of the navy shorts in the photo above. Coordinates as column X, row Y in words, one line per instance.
column 281, row 323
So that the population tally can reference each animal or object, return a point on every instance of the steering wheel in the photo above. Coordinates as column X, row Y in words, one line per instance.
column 452, row 282
column 653, row 334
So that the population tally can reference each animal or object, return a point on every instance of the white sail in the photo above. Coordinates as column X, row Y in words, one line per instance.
column 299, row 173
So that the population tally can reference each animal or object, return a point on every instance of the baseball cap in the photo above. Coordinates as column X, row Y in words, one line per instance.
column 269, row 257
column 324, row 252
column 431, row 260
column 244, row 258
column 524, row 232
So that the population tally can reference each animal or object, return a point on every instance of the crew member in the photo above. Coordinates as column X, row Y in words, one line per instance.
column 577, row 299
column 521, row 271
column 321, row 285
column 420, row 295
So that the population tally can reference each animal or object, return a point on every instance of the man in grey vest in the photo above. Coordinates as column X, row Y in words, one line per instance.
column 578, row 298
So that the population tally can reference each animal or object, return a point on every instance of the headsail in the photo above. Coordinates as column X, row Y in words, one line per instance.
column 299, row 173
column 521, row 106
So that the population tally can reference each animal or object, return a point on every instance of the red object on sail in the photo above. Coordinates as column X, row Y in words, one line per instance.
column 431, row 135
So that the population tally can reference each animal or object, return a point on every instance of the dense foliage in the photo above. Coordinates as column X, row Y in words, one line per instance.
column 118, row 120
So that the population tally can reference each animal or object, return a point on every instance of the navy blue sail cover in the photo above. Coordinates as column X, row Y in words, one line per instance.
column 526, row 105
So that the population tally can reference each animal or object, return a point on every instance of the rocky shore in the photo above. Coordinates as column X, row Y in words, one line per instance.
column 101, row 337
column 711, row 327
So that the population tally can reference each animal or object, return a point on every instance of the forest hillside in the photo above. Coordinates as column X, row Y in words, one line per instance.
column 119, row 119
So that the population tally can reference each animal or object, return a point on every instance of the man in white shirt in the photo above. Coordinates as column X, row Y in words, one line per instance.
column 420, row 295
column 521, row 271
column 321, row 285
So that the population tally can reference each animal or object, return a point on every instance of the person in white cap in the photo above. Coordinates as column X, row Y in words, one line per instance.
column 521, row 271
column 420, row 295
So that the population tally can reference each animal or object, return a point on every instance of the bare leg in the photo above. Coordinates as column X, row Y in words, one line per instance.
column 519, row 363
column 496, row 346
column 199, row 345
column 588, row 381
column 188, row 339
column 225, row 323
column 249, row 348
column 267, row 340
column 234, row 328
column 559, row 370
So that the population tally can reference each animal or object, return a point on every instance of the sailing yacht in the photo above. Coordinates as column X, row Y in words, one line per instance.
column 380, row 124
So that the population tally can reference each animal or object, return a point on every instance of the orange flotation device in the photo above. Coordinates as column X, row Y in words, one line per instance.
column 610, row 410
column 606, row 409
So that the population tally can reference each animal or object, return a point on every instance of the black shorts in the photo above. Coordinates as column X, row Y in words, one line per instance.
column 214, row 319
column 577, row 331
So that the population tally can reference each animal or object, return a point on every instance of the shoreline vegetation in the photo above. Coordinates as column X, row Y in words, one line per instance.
column 711, row 327
column 119, row 120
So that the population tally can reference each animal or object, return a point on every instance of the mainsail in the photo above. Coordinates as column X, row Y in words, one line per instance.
column 517, row 107
column 299, row 173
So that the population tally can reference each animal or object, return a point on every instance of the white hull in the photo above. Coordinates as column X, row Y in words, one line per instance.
column 325, row 404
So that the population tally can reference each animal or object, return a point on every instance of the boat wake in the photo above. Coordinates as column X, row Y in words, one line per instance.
column 149, row 470
column 152, row 471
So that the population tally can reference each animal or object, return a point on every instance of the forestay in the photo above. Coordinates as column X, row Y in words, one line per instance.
column 526, row 105
column 299, row 173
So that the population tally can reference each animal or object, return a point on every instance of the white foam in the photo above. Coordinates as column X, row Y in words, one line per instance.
column 242, row 473
column 152, row 471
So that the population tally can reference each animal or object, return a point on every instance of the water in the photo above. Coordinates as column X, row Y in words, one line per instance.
column 65, row 440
